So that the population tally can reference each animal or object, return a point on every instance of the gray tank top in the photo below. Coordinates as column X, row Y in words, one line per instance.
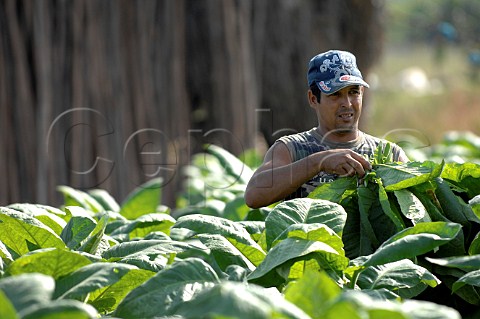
column 305, row 143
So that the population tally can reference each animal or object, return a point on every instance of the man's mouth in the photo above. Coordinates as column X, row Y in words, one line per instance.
column 346, row 116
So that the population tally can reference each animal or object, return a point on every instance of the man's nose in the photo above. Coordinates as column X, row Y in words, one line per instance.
column 346, row 101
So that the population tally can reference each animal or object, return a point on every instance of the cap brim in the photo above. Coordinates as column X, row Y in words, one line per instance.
column 339, row 84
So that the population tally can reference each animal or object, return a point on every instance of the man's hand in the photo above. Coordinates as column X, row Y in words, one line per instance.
column 344, row 162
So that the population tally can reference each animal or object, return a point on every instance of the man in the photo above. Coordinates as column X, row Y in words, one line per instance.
column 298, row 163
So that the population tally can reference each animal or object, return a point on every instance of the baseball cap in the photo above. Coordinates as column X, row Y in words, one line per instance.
column 333, row 70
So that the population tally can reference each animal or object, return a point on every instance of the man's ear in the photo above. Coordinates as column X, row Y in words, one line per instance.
column 312, row 99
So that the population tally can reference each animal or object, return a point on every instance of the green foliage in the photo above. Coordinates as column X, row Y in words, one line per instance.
column 422, row 20
column 371, row 248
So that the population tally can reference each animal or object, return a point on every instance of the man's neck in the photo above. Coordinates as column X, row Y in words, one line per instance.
column 340, row 136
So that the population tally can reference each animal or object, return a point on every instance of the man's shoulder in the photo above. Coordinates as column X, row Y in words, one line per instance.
column 303, row 137
column 302, row 144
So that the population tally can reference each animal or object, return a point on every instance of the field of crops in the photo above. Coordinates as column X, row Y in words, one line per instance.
column 402, row 243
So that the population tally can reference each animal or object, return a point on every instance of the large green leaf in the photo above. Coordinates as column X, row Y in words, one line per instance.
column 335, row 191
column 105, row 199
column 396, row 176
column 474, row 203
column 77, row 230
column 411, row 206
column 27, row 290
column 7, row 310
column 233, row 231
column 466, row 263
column 474, row 248
column 426, row 194
column 239, row 300
column 368, row 203
column 224, row 252
column 77, row 211
column 304, row 211
column 316, row 232
column 144, row 225
column 49, row 219
column 464, row 175
column 450, row 203
column 54, row 262
column 412, row 242
column 387, row 208
column 236, row 209
column 167, row 290
column 471, row 278
column 151, row 255
column 289, row 250
column 143, row 199
column 92, row 243
column 90, row 278
column 254, row 228
column 23, row 233
column 75, row 197
column 106, row 299
column 312, row 292
column 160, row 246
column 402, row 277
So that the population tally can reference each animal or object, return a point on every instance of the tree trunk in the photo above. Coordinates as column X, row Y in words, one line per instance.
column 109, row 94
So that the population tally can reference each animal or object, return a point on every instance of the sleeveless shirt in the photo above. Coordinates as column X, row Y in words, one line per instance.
column 305, row 143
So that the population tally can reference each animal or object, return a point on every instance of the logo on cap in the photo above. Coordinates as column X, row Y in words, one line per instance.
column 323, row 86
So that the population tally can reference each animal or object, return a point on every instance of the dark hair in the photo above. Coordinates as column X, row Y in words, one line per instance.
column 316, row 91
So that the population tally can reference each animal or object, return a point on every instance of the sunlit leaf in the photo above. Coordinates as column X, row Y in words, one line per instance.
column 312, row 292
column 143, row 199
column 7, row 310
column 75, row 197
column 23, row 233
column 90, row 278
column 105, row 199
column 464, row 175
column 105, row 300
column 49, row 219
column 54, row 262
column 397, row 176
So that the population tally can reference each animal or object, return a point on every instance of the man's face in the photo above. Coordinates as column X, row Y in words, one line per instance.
column 339, row 113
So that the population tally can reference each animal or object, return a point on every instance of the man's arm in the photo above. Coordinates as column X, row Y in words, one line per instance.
column 278, row 176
